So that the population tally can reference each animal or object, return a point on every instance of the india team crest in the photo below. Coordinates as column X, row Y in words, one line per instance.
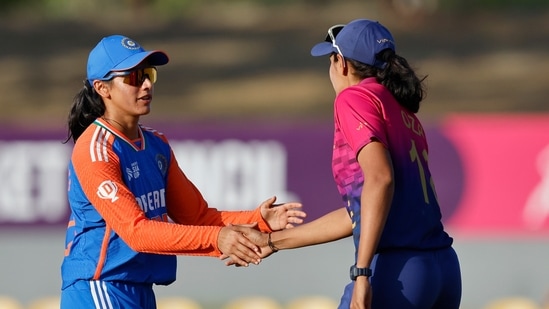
column 162, row 163
column 130, row 44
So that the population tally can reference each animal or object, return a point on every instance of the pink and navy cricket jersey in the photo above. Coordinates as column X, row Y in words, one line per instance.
column 368, row 112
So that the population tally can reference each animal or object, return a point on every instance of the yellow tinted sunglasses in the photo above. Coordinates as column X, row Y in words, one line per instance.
column 136, row 77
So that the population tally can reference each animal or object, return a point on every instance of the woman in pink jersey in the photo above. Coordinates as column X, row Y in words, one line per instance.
column 132, row 208
column 403, row 257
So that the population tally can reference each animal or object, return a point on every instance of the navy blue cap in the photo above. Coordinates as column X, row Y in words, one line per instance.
column 360, row 40
column 119, row 53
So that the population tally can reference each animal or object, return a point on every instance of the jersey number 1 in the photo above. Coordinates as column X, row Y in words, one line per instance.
column 414, row 156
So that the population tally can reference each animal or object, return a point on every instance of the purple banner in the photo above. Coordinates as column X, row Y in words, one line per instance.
column 236, row 166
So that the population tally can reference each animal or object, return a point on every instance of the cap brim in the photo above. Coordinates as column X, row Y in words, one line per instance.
column 155, row 57
column 322, row 49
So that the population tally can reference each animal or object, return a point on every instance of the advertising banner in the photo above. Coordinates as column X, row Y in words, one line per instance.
column 491, row 172
column 505, row 166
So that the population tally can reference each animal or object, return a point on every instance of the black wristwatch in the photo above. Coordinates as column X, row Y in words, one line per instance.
column 355, row 272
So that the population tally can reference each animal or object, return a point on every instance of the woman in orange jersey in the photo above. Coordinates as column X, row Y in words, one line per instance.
column 132, row 208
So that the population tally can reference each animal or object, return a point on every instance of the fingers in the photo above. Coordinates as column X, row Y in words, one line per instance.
column 294, row 216
column 254, row 240
column 265, row 252
column 294, row 210
column 243, row 257
column 234, row 245
column 291, row 209
column 290, row 206
column 232, row 263
column 253, row 235
column 294, row 219
column 296, row 213
column 293, row 205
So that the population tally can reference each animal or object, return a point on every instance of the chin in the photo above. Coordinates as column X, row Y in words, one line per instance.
column 146, row 111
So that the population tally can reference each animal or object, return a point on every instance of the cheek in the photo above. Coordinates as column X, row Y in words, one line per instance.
column 335, row 78
column 332, row 73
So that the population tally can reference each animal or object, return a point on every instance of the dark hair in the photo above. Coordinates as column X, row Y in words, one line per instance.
column 87, row 106
column 397, row 76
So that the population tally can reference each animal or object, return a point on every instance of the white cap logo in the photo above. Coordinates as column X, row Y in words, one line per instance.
column 130, row 44
column 107, row 190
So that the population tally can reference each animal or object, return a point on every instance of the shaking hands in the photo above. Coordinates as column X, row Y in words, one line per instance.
column 244, row 244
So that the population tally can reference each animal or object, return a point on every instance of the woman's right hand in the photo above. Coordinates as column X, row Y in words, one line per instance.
column 234, row 244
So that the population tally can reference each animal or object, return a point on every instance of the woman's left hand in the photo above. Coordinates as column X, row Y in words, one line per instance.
column 281, row 216
column 362, row 294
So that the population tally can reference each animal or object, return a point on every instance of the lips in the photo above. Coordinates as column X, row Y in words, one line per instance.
column 146, row 97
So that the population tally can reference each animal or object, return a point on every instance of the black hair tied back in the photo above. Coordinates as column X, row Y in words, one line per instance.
column 386, row 55
column 87, row 106
column 401, row 80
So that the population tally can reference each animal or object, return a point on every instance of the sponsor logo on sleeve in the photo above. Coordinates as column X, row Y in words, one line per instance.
column 107, row 190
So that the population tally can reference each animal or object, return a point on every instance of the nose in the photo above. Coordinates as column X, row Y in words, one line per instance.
column 147, row 83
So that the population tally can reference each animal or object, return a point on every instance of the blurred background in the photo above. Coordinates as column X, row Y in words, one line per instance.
column 245, row 62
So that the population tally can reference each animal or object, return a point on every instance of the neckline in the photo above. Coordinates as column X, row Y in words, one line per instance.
column 137, row 144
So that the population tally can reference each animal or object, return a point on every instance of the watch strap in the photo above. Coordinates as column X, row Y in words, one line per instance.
column 356, row 272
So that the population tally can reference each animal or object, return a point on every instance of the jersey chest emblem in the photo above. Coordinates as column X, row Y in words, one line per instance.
column 162, row 163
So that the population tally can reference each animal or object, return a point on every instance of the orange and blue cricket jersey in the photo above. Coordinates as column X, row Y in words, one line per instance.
column 133, row 210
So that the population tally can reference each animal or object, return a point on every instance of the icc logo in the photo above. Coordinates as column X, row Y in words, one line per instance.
column 107, row 190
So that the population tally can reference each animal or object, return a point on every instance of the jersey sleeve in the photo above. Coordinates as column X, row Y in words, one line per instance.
column 187, row 206
column 359, row 115
column 97, row 168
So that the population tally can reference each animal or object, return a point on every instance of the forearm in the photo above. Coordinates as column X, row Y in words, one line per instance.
column 245, row 217
column 375, row 199
column 157, row 237
column 330, row 227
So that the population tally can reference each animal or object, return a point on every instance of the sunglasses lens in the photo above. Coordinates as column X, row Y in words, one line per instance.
column 131, row 78
column 137, row 77
column 149, row 73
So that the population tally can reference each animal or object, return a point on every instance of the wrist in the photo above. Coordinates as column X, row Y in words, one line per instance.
column 270, row 243
column 356, row 272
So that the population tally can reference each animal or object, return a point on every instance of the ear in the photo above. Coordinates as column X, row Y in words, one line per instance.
column 342, row 65
column 101, row 88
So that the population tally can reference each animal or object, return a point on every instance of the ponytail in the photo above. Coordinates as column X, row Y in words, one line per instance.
column 397, row 76
column 87, row 106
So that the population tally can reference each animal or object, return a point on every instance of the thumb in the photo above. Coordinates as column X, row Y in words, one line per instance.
column 242, row 228
column 250, row 225
column 268, row 202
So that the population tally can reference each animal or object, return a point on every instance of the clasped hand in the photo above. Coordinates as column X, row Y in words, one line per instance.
column 244, row 244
